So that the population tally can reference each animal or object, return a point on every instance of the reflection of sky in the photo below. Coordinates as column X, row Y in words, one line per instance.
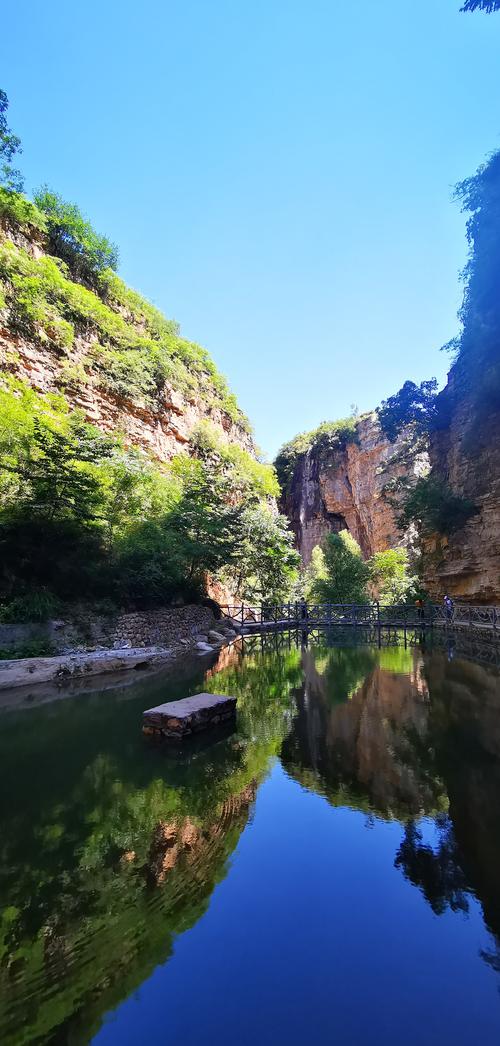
column 315, row 936
column 429, row 829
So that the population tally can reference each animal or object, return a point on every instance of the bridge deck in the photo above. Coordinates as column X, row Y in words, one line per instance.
column 331, row 615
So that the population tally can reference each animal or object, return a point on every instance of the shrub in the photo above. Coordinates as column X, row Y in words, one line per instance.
column 32, row 648
column 33, row 606
column 17, row 211
column 255, row 476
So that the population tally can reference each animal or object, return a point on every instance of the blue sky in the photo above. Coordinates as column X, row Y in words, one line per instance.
column 277, row 174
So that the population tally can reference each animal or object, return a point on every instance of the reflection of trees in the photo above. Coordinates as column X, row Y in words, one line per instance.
column 110, row 847
column 437, row 872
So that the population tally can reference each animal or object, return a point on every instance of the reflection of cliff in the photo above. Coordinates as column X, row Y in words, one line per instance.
column 422, row 742
column 176, row 840
column 466, row 734
column 366, row 746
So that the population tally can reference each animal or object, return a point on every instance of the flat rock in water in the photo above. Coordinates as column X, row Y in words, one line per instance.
column 190, row 715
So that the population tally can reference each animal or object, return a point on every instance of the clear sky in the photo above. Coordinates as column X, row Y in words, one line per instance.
column 277, row 174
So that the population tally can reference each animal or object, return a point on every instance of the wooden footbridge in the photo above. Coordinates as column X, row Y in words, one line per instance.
column 267, row 616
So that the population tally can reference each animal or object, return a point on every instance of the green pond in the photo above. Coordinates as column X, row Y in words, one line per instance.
column 329, row 872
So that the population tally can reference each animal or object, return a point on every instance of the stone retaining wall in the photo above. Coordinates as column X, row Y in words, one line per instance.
column 166, row 627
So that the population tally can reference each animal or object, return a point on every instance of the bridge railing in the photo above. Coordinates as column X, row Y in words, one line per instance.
column 299, row 614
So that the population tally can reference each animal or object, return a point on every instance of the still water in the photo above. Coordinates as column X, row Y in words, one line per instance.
column 328, row 873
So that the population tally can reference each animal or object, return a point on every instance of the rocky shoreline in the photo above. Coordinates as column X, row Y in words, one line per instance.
column 61, row 668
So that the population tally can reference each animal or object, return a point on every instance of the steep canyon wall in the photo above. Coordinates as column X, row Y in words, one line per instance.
column 465, row 454
column 334, row 489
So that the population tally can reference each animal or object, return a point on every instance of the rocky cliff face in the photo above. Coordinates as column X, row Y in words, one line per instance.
column 163, row 431
column 342, row 488
column 466, row 455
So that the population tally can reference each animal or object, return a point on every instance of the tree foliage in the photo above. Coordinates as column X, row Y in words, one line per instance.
column 477, row 345
column 10, row 144
column 391, row 579
column 72, row 237
column 433, row 506
column 481, row 5
column 413, row 407
column 342, row 575
column 81, row 517
column 266, row 562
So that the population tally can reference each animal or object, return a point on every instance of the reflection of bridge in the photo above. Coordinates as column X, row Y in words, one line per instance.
column 462, row 643
column 482, row 619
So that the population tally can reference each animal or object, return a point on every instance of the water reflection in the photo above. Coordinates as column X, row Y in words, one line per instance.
column 109, row 848
column 415, row 735
column 362, row 725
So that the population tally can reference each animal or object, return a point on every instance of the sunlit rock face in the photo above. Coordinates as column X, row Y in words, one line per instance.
column 338, row 489
column 163, row 431
column 466, row 455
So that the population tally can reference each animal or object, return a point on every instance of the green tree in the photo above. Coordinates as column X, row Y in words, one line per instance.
column 413, row 407
column 10, row 144
column 55, row 475
column 390, row 576
column 266, row 561
column 347, row 574
column 50, row 536
column 72, row 237
column 206, row 520
column 314, row 573
column 477, row 344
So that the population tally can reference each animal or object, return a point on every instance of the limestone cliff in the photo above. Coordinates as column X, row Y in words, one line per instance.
column 466, row 455
column 163, row 429
column 334, row 488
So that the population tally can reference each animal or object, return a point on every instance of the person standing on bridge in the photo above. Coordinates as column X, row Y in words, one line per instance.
column 448, row 607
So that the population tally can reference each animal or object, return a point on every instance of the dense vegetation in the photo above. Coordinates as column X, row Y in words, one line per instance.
column 338, row 573
column 83, row 516
column 100, row 332
column 477, row 345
